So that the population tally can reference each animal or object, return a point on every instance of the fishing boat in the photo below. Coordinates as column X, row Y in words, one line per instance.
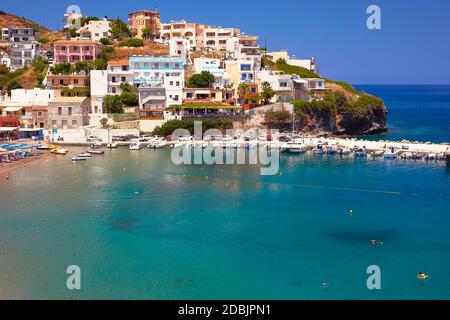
column 112, row 145
column 75, row 159
column 391, row 154
column 136, row 146
column 96, row 152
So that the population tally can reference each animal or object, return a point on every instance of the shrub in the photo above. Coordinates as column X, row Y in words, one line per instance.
column 135, row 43
column 106, row 41
column 201, row 80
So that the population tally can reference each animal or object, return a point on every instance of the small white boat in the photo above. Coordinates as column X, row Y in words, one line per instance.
column 431, row 156
column 96, row 152
column 60, row 151
column 85, row 155
column 345, row 151
column 159, row 145
column 319, row 150
column 75, row 159
column 136, row 146
column 298, row 148
column 407, row 156
column 43, row 148
column 112, row 145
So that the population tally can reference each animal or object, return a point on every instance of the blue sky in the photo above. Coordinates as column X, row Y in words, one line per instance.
column 413, row 46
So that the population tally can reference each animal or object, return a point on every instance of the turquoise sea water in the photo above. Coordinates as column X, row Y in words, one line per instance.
column 416, row 112
column 141, row 227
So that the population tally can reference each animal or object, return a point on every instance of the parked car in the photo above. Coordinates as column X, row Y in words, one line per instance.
column 93, row 139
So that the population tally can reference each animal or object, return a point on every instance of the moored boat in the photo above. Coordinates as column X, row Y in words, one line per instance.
column 136, row 146
column 77, row 158
column 96, row 152
column 85, row 155
column 60, row 151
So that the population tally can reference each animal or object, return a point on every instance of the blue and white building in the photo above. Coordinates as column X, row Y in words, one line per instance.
column 214, row 67
column 167, row 72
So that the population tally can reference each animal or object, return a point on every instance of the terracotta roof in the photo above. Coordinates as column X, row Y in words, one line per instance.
column 69, row 42
column 40, row 108
column 119, row 63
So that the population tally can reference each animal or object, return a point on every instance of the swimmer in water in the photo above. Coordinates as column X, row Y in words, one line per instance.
column 350, row 212
column 422, row 276
column 325, row 284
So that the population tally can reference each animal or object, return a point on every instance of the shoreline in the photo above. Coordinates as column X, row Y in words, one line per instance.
column 8, row 168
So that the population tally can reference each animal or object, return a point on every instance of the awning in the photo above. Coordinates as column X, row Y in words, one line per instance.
column 202, row 91
column 12, row 109
column 30, row 129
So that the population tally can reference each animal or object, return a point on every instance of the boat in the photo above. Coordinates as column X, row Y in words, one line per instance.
column 293, row 147
column 112, row 145
column 407, row 155
column 390, row 155
column 319, row 150
column 431, row 156
column 60, row 151
column 84, row 155
column 361, row 153
column 159, row 145
column 377, row 154
column 96, row 152
column 136, row 146
column 332, row 150
column 75, row 159
column 43, row 148
column 344, row 151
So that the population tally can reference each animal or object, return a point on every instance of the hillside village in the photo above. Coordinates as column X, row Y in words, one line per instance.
column 144, row 74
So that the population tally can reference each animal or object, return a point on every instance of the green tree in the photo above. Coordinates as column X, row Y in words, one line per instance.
column 81, row 66
column 71, row 32
column 127, row 88
column 201, row 80
column 4, row 69
column 119, row 29
column 39, row 64
column 105, row 41
column 148, row 34
column 62, row 68
column 84, row 21
column 267, row 93
column 104, row 122
column 100, row 64
column 113, row 104
column 281, row 61
column 129, row 99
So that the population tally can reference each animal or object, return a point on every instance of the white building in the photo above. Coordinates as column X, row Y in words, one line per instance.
column 244, row 48
column 34, row 96
column 5, row 59
column 179, row 47
column 95, row 30
column 99, row 89
column 23, row 53
column 119, row 73
column 309, row 63
column 215, row 38
column 167, row 72
column 279, row 82
column 213, row 66
column 182, row 29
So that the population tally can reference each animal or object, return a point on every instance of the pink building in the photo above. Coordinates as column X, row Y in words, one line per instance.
column 73, row 51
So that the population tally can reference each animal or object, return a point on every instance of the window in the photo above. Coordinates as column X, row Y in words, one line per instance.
column 113, row 79
column 74, row 122
column 171, row 83
column 189, row 95
column 75, row 81
column 113, row 90
column 176, row 98
column 39, row 114
column 177, row 65
column 124, row 79
column 59, row 111
column 253, row 90
column 53, row 122
column 244, row 76
column 178, row 83
column 166, row 65
column 64, row 123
